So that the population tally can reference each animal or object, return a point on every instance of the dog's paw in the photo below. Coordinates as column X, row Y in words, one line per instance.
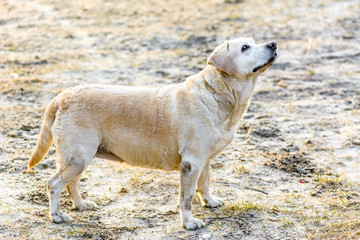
column 213, row 202
column 59, row 217
column 86, row 205
column 193, row 224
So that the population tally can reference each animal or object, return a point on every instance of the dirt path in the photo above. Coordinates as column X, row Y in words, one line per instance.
column 293, row 169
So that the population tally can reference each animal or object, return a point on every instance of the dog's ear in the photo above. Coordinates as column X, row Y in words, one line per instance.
column 221, row 59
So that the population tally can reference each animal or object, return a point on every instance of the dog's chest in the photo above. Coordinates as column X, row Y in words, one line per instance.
column 221, row 141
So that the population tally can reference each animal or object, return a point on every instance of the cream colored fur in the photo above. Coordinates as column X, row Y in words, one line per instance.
column 179, row 127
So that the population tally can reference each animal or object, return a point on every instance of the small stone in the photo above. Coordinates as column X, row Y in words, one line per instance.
column 47, row 163
column 206, row 236
column 217, row 165
column 123, row 190
column 26, row 128
column 15, row 134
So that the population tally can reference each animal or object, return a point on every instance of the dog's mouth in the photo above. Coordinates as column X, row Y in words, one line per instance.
column 268, row 63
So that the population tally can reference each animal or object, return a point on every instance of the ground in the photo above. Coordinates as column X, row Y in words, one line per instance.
column 292, row 170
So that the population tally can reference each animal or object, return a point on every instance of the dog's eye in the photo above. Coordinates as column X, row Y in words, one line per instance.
column 245, row 47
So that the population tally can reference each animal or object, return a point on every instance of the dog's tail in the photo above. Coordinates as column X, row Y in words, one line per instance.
column 45, row 139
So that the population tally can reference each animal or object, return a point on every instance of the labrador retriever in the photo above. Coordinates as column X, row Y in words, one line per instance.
column 178, row 127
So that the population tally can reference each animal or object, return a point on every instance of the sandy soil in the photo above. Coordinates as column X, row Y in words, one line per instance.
column 292, row 171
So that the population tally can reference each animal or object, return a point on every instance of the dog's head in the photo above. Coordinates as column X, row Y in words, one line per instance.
column 243, row 57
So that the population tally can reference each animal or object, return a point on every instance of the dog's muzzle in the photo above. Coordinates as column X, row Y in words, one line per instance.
column 272, row 46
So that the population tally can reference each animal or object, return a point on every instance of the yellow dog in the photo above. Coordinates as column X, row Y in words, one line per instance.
column 178, row 127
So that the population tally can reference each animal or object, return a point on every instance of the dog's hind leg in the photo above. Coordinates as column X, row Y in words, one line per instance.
column 56, row 183
column 75, row 154
column 78, row 202
column 203, row 189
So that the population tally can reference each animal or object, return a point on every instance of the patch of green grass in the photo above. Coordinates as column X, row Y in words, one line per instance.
column 275, row 208
column 288, row 222
column 293, row 195
column 242, row 207
column 135, row 178
column 330, row 179
column 216, row 226
column 241, row 170
column 311, row 72
column 76, row 232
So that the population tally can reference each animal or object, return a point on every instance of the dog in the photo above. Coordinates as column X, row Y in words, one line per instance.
column 177, row 127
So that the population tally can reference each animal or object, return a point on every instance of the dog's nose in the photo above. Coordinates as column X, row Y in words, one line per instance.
column 272, row 45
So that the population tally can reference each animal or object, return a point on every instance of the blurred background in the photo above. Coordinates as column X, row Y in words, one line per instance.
column 146, row 42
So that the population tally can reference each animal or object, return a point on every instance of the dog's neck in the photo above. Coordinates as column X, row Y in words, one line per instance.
column 232, row 93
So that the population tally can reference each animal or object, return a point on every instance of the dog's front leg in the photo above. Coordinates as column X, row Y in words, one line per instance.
column 203, row 189
column 190, row 169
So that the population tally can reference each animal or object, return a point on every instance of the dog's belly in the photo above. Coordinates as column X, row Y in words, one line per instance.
column 103, row 153
column 142, row 151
